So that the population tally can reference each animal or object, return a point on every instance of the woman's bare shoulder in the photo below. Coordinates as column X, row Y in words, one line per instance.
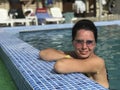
column 100, row 61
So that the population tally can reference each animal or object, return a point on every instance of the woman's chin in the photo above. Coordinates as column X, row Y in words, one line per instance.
column 83, row 56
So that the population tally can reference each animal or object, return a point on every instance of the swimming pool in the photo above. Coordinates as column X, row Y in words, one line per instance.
column 29, row 72
column 107, row 47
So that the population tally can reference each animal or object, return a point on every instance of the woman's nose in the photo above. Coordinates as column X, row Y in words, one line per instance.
column 84, row 45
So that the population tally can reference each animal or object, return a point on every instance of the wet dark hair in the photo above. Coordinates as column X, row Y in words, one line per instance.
column 84, row 24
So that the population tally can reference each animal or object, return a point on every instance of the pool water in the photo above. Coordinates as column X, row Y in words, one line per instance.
column 108, row 46
column 59, row 39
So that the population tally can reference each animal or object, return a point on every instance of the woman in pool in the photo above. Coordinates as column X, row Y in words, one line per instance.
column 82, row 59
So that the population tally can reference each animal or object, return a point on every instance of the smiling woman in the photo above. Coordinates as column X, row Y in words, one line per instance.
column 107, row 45
column 6, row 82
column 84, row 60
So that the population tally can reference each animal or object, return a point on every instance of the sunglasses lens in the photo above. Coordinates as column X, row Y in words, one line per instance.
column 88, row 42
column 80, row 41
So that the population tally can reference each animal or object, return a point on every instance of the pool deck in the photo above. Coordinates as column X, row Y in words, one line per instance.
column 31, row 73
column 14, row 30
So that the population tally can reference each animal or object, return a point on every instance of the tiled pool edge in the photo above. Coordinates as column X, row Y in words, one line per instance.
column 8, row 56
column 14, row 72
column 16, row 54
column 7, row 31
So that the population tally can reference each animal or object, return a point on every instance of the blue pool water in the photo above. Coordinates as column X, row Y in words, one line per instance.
column 108, row 46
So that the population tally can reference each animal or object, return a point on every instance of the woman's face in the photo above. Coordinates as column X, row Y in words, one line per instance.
column 84, row 43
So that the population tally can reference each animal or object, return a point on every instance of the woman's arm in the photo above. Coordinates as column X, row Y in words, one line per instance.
column 51, row 54
column 78, row 65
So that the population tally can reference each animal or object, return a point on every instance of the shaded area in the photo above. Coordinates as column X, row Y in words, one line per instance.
column 6, row 82
column 114, row 6
column 16, row 7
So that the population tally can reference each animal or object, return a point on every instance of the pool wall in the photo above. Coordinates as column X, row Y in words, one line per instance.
column 31, row 73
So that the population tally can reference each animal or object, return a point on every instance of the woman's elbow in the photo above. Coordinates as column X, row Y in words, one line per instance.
column 59, row 66
column 42, row 55
column 46, row 54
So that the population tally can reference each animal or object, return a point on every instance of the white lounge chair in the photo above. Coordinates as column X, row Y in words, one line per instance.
column 21, row 21
column 56, row 13
column 31, row 15
column 44, row 17
column 4, row 18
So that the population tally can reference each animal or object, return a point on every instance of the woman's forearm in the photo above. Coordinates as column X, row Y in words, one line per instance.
column 51, row 54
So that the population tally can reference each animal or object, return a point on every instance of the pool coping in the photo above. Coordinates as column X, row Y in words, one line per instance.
column 14, row 51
